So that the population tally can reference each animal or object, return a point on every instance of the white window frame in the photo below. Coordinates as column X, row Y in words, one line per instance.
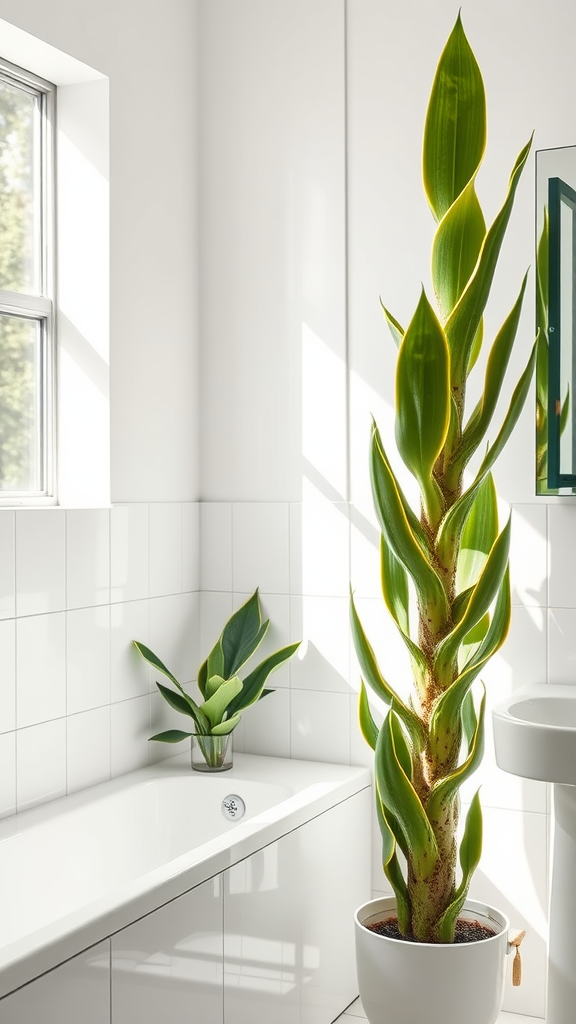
column 42, row 307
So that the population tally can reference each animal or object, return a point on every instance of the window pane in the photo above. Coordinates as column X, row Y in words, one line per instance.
column 21, row 404
column 19, row 191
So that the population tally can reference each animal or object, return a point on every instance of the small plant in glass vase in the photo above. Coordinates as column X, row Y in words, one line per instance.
column 224, row 694
column 446, row 584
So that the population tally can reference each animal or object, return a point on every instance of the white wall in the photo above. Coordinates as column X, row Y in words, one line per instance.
column 78, row 585
column 277, row 509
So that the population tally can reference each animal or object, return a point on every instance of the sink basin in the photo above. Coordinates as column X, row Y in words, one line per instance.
column 535, row 733
column 535, row 737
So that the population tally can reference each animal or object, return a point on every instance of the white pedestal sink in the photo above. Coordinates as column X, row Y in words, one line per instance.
column 535, row 737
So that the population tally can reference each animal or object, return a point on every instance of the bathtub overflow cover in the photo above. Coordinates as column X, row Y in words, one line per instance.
column 233, row 807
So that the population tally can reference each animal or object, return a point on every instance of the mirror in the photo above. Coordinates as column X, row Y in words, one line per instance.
column 556, row 320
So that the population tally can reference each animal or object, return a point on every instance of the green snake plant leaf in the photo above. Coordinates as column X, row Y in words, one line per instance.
column 456, row 247
column 368, row 726
column 372, row 675
column 478, row 536
column 396, row 528
column 220, row 700
column 212, row 685
column 455, row 129
column 396, row 330
column 202, row 678
column 400, row 798
column 255, row 681
column 215, row 662
column 446, row 713
column 465, row 318
column 242, row 635
column 240, row 638
column 445, row 790
column 412, row 518
column 453, row 523
column 470, row 853
column 170, row 736
column 199, row 717
column 476, row 346
column 392, row 868
column 394, row 582
column 223, row 728
column 423, row 400
column 469, row 719
column 495, row 371
column 519, row 396
column 176, row 701
column 482, row 596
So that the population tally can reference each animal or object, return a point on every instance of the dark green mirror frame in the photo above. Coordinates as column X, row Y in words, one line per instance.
column 556, row 321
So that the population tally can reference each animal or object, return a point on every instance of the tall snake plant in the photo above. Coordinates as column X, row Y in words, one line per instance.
column 444, row 568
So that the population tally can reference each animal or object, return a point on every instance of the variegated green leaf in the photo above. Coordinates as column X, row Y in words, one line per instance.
column 455, row 130
column 212, row 684
column 457, row 243
column 396, row 330
column 392, row 869
column 253, row 687
column 482, row 596
column 215, row 662
column 515, row 408
column 368, row 726
column 400, row 798
column 470, row 853
column 397, row 530
column 423, row 400
column 171, row 736
column 375, row 680
column 453, row 523
column 476, row 346
column 196, row 712
column 242, row 635
column 446, row 789
column 464, row 320
column 495, row 371
column 218, row 703
column 446, row 713
column 469, row 719
column 413, row 521
column 394, row 581
column 478, row 536
column 223, row 728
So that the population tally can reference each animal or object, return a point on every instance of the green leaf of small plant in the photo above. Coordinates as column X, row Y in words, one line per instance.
column 220, row 700
column 254, row 682
column 171, row 736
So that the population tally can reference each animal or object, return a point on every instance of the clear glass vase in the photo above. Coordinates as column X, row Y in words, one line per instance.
column 211, row 753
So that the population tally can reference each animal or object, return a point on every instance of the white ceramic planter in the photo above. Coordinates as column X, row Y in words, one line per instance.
column 411, row 982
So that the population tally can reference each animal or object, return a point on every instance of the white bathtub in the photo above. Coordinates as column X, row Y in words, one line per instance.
column 80, row 870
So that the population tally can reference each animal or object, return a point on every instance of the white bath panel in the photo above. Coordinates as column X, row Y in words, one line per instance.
column 168, row 966
column 78, row 990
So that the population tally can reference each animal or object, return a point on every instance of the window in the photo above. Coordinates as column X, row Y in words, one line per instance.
column 27, row 261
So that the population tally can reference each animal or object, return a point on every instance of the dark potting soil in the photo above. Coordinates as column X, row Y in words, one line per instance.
column 466, row 931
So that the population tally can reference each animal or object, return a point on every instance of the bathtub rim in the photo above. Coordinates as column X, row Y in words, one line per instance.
column 320, row 786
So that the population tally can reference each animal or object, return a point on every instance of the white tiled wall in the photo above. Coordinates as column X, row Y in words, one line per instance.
column 77, row 703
